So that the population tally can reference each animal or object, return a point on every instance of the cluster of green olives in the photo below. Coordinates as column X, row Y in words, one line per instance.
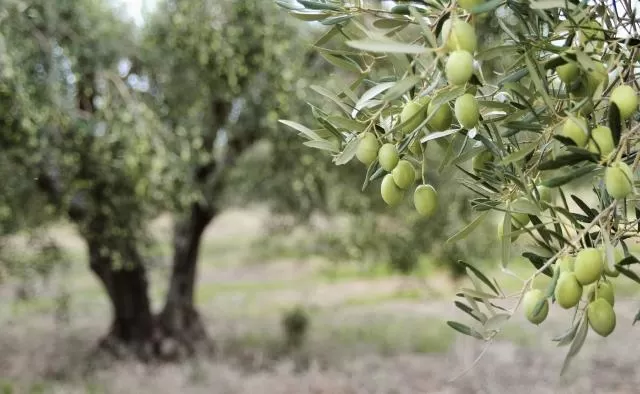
column 401, row 173
column 460, row 40
column 599, row 140
column 585, row 276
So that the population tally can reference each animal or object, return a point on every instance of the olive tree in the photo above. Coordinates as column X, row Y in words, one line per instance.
column 545, row 102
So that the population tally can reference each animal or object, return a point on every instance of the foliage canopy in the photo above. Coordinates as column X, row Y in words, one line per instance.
column 530, row 100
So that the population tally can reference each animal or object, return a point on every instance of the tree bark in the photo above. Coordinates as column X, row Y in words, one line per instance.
column 180, row 324
column 132, row 327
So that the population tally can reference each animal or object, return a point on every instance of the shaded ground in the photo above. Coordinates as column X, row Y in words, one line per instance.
column 369, row 334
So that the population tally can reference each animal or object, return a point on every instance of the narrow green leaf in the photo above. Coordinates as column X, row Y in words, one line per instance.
column 322, row 145
column 573, row 175
column 636, row 318
column 386, row 46
column 629, row 260
column 468, row 229
column 505, row 249
column 302, row 129
column 577, row 343
column 615, row 122
column 370, row 173
column 495, row 322
column 628, row 273
column 331, row 128
column 334, row 20
column 480, row 275
column 373, row 92
column 479, row 294
column 566, row 160
column 466, row 330
column 468, row 310
column 541, row 86
column 328, row 35
column 568, row 336
column 308, row 16
column 341, row 61
column 498, row 51
column 590, row 212
column 519, row 155
column 538, row 262
column 448, row 94
column 549, row 292
column 348, row 153
column 438, row 134
column 331, row 96
column 317, row 5
column 347, row 124
column 287, row 5
column 401, row 87
column 388, row 23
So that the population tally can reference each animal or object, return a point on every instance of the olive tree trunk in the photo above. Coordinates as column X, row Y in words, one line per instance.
column 132, row 326
column 182, row 329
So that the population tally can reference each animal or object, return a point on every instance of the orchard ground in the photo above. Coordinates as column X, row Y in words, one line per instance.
column 371, row 331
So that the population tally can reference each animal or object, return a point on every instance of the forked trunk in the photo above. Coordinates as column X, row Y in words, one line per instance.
column 179, row 321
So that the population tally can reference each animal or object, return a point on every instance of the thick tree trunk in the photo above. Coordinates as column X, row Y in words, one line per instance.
column 132, row 327
column 179, row 322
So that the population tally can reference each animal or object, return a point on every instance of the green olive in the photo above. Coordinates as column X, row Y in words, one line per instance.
column 597, row 77
column 618, row 179
column 626, row 100
column 425, row 199
column 459, row 35
column 391, row 193
column 466, row 110
column 404, row 175
column 411, row 116
column 605, row 291
column 588, row 266
column 442, row 118
column 568, row 290
column 601, row 316
column 568, row 72
column 459, row 67
column 367, row 150
column 388, row 156
column 566, row 263
column 530, row 301
column 577, row 132
column 601, row 141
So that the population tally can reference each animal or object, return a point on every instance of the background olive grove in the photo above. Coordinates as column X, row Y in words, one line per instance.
column 108, row 125
column 108, row 128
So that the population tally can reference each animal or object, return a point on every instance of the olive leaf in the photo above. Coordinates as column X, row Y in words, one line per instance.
column 576, row 345
column 466, row 330
column 466, row 230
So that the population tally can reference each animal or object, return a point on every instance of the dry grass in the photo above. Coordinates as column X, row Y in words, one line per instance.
column 368, row 335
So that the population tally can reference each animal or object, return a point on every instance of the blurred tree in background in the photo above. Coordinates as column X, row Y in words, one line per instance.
column 110, row 125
